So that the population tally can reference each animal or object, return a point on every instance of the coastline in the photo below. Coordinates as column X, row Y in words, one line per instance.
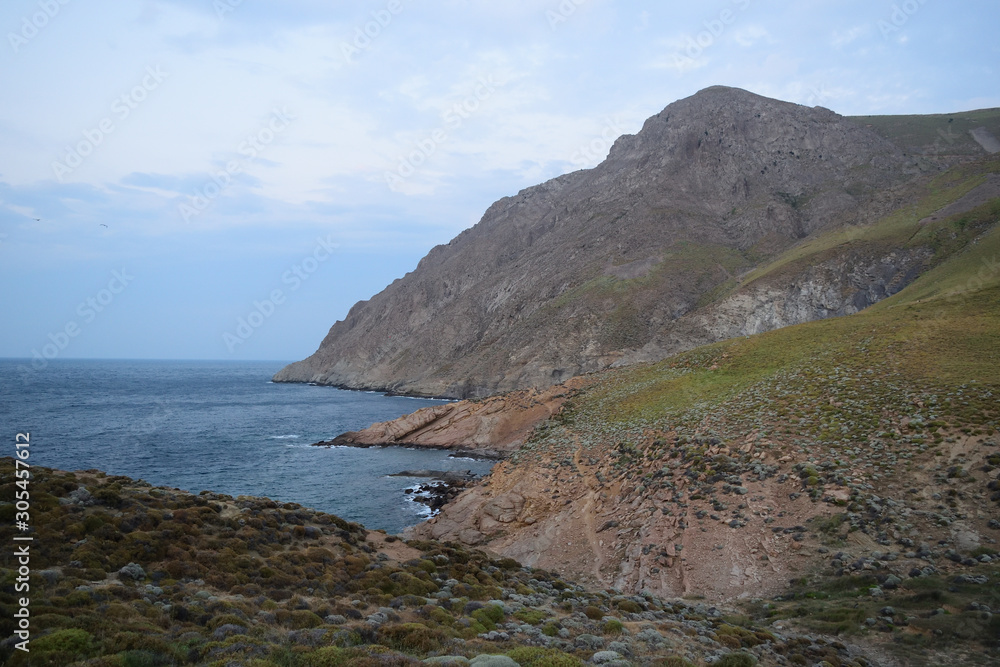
column 385, row 391
column 475, row 453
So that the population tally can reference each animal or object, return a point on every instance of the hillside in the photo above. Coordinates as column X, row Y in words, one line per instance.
column 128, row 575
column 964, row 134
column 648, row 253
column 836, row 467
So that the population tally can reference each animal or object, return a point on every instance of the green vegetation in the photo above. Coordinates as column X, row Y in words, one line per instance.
column 896, row 402
column 127, row 575
column 130, row 575
column 945, row 327
column 935, row 134
column 901, row 229
column 624, row 301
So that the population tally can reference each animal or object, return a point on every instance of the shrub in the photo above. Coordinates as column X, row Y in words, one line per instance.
column 674, row 661
column 489, row 616
column 593, row 613
column 629, row 607
column 736, row 637
column 550, row 629
column 494, row 612
column 144, row 659
column 508, row 564
column 530, row 616
column 124, row 642
column 439, row 615
column 71, row 640
column 613, row 627
column 530, row 656
column 225, row 619
column 301, row 619
column 330, row 656
column 412, row 637
column 737, row 660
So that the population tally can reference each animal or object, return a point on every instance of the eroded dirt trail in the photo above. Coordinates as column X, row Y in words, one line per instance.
column 592, row 489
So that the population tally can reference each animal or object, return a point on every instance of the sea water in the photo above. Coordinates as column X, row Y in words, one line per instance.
column 218, row 426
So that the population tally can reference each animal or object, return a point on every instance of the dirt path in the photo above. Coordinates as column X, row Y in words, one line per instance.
column 592, row 489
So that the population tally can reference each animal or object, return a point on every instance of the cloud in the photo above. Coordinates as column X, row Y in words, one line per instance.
column 556, row 94
column 843, row 38
column 751, row 35
column 680, row 54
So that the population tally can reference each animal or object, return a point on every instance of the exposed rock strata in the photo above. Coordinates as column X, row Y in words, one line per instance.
column 847, row 282
column 757, row 529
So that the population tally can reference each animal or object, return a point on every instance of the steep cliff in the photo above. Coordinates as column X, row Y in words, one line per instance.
column 843, row 446
column 635, row 258
column 729, row 469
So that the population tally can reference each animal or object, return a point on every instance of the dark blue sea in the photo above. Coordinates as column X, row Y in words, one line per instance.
column 219, row 426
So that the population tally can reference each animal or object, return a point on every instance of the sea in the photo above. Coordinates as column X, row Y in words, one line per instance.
column 221, row 426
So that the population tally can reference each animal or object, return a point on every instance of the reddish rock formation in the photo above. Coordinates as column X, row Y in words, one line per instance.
column 491, row 427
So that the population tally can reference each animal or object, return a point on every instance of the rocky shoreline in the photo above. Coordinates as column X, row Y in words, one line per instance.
column 347, row 440
column 443, row 486
column 491, row 428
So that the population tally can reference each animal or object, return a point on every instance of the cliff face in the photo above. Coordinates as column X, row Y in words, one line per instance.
column 809, row 451
column 633, row 259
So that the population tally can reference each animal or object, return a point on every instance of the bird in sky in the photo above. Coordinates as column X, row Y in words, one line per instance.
column 37, row 219
column 103, row 225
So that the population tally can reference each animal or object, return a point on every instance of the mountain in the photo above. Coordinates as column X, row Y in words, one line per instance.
column 840, row 476
column 662, row 247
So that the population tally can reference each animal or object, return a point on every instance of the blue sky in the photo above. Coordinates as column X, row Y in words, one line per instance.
column 223, row 179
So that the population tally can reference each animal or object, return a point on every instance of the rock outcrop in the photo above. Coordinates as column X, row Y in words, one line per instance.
column 626, row 261
column 491, row 427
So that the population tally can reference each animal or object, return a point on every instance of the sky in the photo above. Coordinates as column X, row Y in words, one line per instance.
column 223, row 179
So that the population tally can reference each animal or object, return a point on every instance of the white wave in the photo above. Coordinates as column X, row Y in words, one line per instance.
column 285, row 437
column 418, row 508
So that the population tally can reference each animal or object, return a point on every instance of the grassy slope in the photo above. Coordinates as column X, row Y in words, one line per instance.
column 901, row 229
column 943, row 134
column 887, row 390
column 944, row 327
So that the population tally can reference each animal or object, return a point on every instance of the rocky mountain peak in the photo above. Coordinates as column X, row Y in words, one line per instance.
column 588, row 268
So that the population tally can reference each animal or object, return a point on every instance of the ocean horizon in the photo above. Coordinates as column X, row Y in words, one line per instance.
column 220, row 426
